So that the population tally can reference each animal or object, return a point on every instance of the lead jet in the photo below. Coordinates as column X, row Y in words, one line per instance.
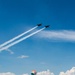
column 47, row 26
column 39, row 24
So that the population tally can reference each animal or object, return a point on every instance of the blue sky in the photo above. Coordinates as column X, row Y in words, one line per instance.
column 17, row 16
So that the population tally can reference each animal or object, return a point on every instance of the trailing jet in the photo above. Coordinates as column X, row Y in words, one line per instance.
column 47, row 26
column 39, row 24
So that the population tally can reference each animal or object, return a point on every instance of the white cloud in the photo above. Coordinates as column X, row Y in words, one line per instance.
column 8, row 73
column 23, row 56
column 66, row 35
column 45, row 73
column 68, row 72
column 25, row 74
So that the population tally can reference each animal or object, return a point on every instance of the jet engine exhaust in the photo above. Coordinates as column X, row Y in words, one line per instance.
column 13, row 39
column 16, row 42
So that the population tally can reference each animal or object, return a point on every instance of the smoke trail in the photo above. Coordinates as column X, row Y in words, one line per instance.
column 11, row 52
column 17, row 37
column 8, row 46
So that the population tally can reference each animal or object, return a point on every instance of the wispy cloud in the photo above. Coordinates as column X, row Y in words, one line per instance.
column 25, row 74
column 23, row 56
column 63, row 35
column 8, row 73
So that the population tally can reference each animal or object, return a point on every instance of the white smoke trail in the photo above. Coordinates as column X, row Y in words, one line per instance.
column 13, row 43
column 11, row 52
column 17, row 37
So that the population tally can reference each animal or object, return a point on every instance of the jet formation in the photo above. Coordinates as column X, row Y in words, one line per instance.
column 41, row 25
column 6, row 45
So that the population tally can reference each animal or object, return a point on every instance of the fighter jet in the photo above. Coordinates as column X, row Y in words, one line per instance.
column 47, row 26
column 39, row 24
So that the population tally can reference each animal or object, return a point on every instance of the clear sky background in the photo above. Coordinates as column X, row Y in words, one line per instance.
column 17, row 16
